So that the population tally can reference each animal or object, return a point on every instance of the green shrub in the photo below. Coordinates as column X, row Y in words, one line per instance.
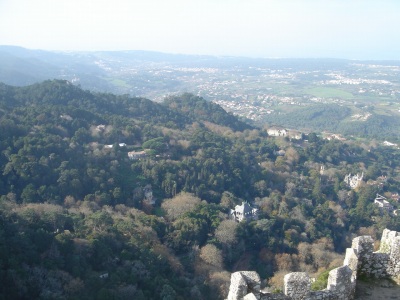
column 321, row 281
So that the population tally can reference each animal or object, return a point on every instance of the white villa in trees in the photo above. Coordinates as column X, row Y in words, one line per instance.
column 243, row 212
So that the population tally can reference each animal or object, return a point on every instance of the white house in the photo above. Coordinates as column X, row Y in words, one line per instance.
column 277, row 132
column 243, row 212
column 135, row 155
column 353, row 181
column 382, row 203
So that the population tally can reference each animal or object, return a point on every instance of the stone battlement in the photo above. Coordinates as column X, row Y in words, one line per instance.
column 359, row 260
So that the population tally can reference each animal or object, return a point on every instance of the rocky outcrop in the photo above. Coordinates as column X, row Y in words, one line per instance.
column 359, row 260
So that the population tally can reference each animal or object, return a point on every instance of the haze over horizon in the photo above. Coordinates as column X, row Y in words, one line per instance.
column 358, row 29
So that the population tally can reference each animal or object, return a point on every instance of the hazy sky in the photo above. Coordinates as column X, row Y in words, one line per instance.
column 355, row 29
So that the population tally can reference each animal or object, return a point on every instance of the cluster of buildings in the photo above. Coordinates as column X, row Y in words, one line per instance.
column 245, row 108
column 333, row 136
column 354, row 181
column 282, row 132
column 339, row 79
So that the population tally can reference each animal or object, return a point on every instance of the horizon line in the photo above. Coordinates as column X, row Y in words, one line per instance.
column 203, row 55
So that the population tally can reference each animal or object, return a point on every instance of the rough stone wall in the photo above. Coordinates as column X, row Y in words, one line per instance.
column 360, row 260
column 341, row 285
column 380, row 264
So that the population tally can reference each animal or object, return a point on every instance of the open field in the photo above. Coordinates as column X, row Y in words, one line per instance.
column 328, row 92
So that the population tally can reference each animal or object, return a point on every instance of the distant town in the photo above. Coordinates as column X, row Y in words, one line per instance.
column 256, row 92
column 263, row 91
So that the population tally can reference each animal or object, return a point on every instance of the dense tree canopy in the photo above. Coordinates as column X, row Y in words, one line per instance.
column 79, row 219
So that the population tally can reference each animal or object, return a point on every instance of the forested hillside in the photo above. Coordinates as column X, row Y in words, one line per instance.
column 340, row 119
column 77, row 220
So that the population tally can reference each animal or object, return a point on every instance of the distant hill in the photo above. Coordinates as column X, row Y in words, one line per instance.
column 201, row 110
column 177, row 111
column 20, row 67
column 16, row 70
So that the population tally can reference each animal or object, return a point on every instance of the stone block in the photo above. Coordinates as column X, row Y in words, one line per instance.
column 351, row 260
column 252, row 278
column 340, row 278
column 364, row 245
column 243, row 283
column 238, row 288
column 297, row 285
